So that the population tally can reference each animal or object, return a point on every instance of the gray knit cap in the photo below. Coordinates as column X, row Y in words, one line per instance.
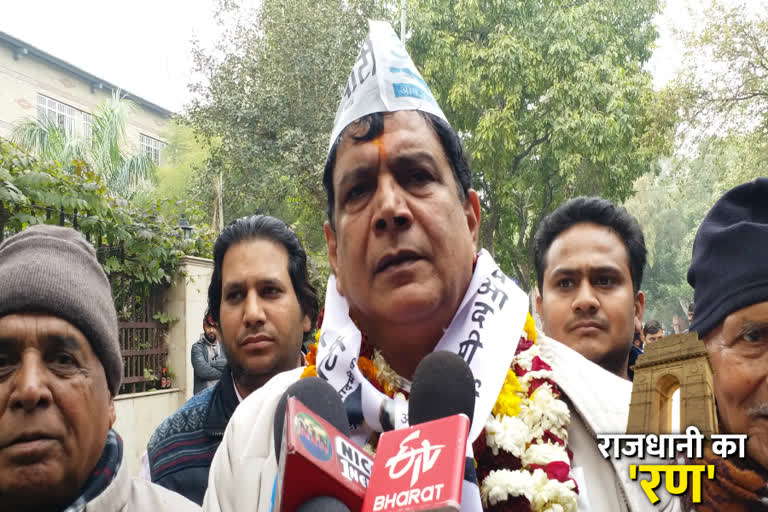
column 54, row 270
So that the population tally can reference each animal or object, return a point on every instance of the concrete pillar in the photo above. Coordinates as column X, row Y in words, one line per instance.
column 187, row 301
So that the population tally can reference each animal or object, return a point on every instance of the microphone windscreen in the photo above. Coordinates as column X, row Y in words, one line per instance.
column 443, row 385
column 319, row 397
column 323, row 504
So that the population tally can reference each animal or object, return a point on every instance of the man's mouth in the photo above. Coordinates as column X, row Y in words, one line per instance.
column 256, row 341
column 28, row 438
column 396, row 258
column 587, row 325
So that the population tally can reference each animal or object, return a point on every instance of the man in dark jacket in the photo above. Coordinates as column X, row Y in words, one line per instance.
column 263, row 306
column 208, row 359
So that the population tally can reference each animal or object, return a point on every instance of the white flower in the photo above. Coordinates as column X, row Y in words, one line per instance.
column 552, row 495
column 525, row 358
column 545, row 412
column 507, row 433
column 501, row 484
column 543, row 454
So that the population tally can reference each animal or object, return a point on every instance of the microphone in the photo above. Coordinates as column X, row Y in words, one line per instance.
column 422, row 468
column 319, row 467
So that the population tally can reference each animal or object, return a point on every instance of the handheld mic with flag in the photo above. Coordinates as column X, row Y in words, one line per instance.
column 319, row 467
column 422, row 468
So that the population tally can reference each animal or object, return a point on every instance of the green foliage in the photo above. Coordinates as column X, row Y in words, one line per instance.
column 267, row 107
column 164, row 318
column 552, row 101
column 671, row 206
column 124, row 174
column 138, row 246
column 183, row 156
column 722, row 95
column 724, row 83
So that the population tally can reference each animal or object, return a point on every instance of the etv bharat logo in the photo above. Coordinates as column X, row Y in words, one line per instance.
column 420, row 459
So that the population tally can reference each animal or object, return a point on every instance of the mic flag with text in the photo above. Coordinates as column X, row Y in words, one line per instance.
column 423, row 467
column 315, row 459
column 420, row 468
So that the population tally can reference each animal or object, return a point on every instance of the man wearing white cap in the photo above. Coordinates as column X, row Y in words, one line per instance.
column 402, row 235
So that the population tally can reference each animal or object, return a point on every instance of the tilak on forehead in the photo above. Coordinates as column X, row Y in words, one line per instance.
column 383, row 79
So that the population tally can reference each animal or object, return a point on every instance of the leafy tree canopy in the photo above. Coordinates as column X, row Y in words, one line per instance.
column 552, row 100
column 138, row 244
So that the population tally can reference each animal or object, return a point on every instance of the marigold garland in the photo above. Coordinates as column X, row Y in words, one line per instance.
column 521, row 455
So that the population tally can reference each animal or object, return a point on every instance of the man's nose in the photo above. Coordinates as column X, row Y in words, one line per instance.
column 586, row 299
column 30, row 385
column 254, row 312
column 392, row 210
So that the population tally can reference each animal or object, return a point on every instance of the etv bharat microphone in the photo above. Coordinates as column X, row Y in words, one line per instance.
column 319, row 467
column 423, row 467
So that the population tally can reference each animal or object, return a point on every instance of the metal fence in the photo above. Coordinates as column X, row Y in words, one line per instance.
column 142, row 342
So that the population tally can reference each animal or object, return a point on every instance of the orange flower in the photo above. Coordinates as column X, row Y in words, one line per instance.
column 309, row 371
column 367, row 368
column 312, row 355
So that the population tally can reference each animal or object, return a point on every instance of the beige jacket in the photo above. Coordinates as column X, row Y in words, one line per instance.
column 127, row 494
column 244, row 469
column 599, row 403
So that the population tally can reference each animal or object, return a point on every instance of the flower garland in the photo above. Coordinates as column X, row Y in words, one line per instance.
column 522, row 460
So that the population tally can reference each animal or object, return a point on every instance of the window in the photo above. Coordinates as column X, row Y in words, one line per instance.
column 72, row 121
column 151, row 147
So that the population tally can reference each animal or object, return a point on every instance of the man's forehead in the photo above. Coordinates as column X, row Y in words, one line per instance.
column 403, row 131
column 586, row 246
column 39, row 327
column 756, row 314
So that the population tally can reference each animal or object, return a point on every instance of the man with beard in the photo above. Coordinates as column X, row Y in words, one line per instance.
column 729, row 274
column 262, row 301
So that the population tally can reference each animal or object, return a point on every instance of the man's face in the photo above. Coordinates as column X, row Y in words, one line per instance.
column 654, row 337
column 738, row 350
column 55, row 411
column 587, row 301
column 261, row 322
column 404, row 242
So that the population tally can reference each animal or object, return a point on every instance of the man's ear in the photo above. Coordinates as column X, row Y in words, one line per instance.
column 538, row 304
column 331, row 243
column 111, row 412
column 640, row 306
column 472, row 213
column 306, row 323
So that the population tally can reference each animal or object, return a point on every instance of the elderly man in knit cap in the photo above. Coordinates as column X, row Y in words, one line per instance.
column 60, row 368
column 729, row 274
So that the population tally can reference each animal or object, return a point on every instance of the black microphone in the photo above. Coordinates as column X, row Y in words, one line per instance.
column 443, row 385
column 423, row 467
column 323, row 504
column 319, row 467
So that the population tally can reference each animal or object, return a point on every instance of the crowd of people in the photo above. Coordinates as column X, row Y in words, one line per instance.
column 408, row 278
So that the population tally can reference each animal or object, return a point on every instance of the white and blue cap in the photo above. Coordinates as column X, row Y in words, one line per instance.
column 383, row 79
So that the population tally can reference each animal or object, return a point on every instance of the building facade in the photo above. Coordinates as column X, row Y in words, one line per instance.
column 34, row 84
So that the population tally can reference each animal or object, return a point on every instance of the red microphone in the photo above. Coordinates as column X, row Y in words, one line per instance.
column 422, row 468
column 316, row 458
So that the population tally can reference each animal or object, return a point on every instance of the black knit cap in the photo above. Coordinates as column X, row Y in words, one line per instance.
column 729, row 265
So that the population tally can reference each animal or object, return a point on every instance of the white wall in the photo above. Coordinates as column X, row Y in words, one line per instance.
column 138, row 414
column 187, row 301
